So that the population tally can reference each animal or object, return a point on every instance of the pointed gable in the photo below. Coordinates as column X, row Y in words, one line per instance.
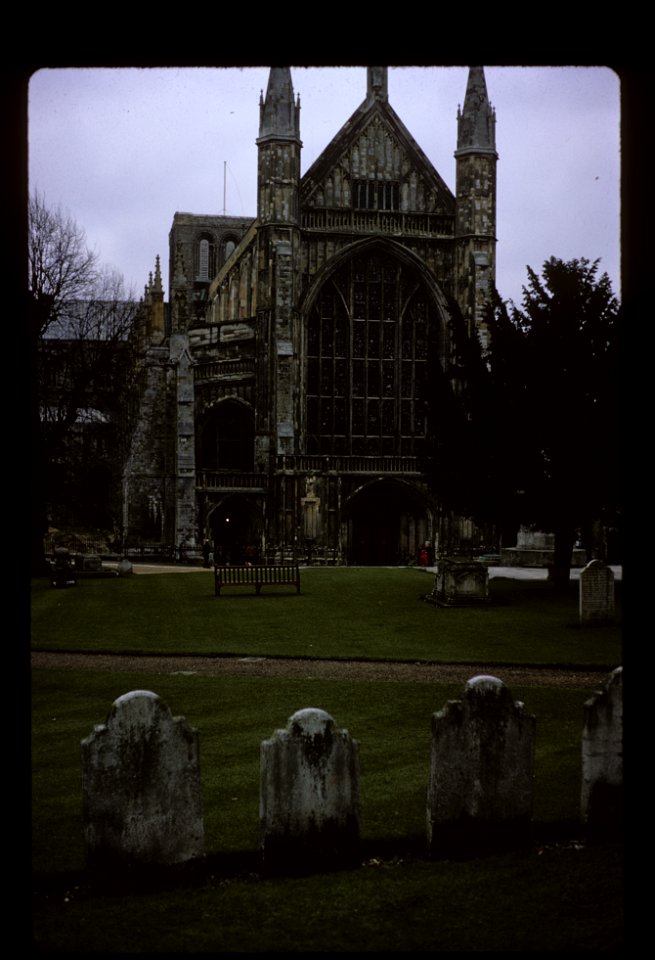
column 374, row 163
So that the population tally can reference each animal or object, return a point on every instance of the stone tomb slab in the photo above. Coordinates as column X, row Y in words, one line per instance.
column 460, row 582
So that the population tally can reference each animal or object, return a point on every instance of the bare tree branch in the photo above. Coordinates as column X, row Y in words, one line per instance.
column 81, row 324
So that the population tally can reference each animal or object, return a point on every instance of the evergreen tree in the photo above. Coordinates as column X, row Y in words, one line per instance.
column 554, row 419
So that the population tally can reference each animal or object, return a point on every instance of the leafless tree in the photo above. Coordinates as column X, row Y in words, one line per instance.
column 61, row 266
column 81, row 321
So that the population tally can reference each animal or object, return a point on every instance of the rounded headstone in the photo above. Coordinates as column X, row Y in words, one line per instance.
column 310, row 722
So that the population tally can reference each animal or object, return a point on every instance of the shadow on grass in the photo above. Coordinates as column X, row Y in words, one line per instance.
column 234, row 866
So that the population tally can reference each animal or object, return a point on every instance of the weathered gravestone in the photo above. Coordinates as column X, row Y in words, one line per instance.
column 309, row 796
column 602, row 757
column 124, row 568
column 460, row 582
column 142, row 796
column 481, row 772
column 597, row 603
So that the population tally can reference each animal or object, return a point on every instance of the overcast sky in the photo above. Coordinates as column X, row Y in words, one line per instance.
column 122, row 150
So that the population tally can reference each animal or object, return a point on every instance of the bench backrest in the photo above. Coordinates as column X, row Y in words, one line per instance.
column 235, row 574
column 286, row 573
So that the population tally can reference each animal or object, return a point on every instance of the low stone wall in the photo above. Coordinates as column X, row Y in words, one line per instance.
column 526, row 557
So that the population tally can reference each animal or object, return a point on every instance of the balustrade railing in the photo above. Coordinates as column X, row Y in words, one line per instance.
column 230, row 480
column 382, row 221
column 352, row 464
column 249, row 480
column 218, row 369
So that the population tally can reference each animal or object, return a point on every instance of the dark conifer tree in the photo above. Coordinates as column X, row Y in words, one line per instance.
column 554, row 379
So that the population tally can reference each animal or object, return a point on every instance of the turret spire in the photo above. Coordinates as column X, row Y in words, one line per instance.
column 475, row 221
column 377, row 83
column 157, row 287
column 476, row 122
column 279, row 115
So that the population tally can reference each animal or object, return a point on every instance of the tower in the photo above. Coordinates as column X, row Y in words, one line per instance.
column 278, row 166
column 475, row 227
column 278, row 253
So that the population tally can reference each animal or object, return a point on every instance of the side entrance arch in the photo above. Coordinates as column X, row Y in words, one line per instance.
column 388, row 523
column 235, row 526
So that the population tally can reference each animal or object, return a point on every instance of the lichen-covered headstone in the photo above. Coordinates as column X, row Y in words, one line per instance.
column 596, row 593
column 309, row 795
column 460, row 582
column 602, row 757
column 142, row 797
column 481, row 772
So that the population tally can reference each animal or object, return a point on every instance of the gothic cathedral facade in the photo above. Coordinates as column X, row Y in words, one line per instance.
column 282, row 396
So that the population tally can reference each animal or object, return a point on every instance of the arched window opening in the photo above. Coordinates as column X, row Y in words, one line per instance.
column 203, row 256
column 206, row 258
column 227, row 438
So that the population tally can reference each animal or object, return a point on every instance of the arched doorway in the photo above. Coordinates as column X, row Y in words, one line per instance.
column 388, row 523
column 235, row 530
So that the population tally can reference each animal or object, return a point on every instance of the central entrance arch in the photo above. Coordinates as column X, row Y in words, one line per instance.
column 388, row 522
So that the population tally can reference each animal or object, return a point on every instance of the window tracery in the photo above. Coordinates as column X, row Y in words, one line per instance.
column 367, row 360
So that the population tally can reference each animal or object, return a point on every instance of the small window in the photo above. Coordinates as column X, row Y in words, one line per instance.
column 203, row 258
column 375, row 195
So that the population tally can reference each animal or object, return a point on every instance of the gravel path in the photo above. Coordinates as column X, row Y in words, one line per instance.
column 324, row 669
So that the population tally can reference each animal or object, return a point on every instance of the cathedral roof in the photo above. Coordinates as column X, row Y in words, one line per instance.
column 376, row 111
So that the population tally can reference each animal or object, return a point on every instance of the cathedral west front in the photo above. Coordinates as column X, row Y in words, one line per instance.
column 281, row 406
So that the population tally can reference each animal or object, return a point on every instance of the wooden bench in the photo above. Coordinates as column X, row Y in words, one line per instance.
column 257, row 576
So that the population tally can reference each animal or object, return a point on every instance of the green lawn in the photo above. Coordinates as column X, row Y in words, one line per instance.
column 558, row 894
column 367, row 613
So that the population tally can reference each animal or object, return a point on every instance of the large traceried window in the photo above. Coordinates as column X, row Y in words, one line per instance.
column 367, row 360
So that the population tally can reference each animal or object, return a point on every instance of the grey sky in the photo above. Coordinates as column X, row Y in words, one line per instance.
column 122, row 150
